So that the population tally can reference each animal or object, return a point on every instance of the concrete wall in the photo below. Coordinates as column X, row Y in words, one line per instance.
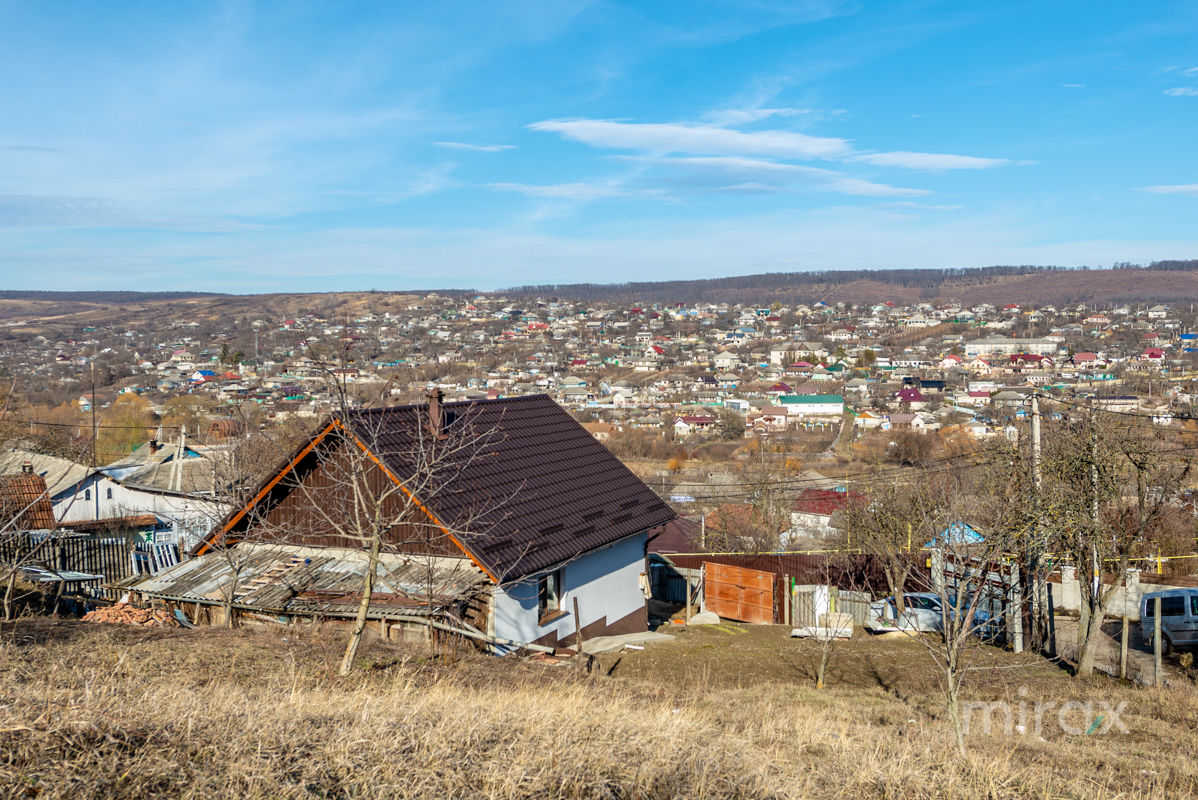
column 606, row 583
column 1066, row 595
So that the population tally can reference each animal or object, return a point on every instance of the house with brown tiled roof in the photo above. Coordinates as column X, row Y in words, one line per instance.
column 25, row 502
column 529, row 528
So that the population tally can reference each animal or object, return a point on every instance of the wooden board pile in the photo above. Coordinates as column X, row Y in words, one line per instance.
column 125, row 614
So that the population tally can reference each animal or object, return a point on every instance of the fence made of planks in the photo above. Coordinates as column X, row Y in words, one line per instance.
column 808, row 602
column 109, row 557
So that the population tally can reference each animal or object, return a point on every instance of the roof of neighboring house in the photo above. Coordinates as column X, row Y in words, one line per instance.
column 810, row 399
column 24, row 498
column 536, row 491
column 679, row 535
column 823, row 501
column 60, row 473
column 131, row 522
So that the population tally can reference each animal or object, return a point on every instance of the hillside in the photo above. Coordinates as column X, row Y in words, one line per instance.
column 125, row 712
column 1173, row 281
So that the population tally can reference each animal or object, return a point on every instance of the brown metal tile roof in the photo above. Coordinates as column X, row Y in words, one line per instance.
column 536, row 491
column 23, row 496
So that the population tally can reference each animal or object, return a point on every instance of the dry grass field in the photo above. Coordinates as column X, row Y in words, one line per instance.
column 105, row 711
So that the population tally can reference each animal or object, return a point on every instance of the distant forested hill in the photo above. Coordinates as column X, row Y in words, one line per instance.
column 100, row 297
column 1043, row 284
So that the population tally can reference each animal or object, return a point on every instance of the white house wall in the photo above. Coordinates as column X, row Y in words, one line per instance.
column 606, row 583
column 190, row 517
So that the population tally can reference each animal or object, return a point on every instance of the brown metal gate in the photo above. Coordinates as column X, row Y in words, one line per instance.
column 746, row 595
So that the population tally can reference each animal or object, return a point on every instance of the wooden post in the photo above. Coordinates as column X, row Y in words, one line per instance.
column 690, row 596
column 577, row 630
column 1156, row 642
column 786, row 600
column 1123, row 649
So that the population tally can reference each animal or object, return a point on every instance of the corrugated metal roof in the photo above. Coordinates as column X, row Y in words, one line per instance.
column 538, row 489
column 291, row 579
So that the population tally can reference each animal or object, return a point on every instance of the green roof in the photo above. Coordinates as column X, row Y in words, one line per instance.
column 810, row 399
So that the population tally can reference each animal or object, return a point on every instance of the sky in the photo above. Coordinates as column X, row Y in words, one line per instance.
column 310, row 146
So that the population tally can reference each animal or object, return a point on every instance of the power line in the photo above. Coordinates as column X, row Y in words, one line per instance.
column 100, row 427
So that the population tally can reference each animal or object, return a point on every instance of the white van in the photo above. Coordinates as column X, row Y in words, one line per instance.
column 1179, row 617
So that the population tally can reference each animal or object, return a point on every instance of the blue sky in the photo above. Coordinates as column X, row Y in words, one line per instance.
column 302, row 146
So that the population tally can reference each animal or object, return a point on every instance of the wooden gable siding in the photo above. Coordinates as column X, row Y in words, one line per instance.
column 322, row 480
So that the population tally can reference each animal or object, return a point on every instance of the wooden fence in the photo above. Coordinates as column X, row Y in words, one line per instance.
column 110, row 557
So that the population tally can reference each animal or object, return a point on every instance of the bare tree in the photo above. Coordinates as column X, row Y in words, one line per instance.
column 969, row 556
column 895, row 517
column 1113, row 485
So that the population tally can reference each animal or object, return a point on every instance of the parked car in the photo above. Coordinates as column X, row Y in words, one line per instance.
column 1179, row 618
column 923, row 613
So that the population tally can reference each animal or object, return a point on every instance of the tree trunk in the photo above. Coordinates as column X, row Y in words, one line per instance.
column 229, row 600
column 8, row 592
column 355, row 638
column 953, row 695
column 1088, row 651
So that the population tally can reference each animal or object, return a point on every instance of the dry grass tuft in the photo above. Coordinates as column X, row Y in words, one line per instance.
column 110, row 712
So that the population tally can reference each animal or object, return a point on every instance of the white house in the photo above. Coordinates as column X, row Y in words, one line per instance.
column 812, row 405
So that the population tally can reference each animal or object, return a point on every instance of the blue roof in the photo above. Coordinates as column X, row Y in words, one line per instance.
column 957, row 533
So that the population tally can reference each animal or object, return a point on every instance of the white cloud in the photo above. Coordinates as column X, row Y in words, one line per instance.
column 478, row 148
column 564, row 191
column 1074, row 85
column 694, row 139
column 922, row 206
column 744, row 116
column 1180, row 188
column 19, row 211
column 1182, row 91
column 931, row 161
column 755, row 176
column 715, row 141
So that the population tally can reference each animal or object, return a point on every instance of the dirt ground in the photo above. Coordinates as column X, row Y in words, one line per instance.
column 737, row 655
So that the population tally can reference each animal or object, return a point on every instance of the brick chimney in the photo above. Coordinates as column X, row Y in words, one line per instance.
column 436, row 422
column 27, row 467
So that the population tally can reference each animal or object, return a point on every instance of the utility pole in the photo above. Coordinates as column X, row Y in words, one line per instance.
column 1095, row 567
column 92, row 404
column 1033, row 585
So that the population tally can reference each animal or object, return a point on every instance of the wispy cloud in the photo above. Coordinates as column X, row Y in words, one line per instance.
column 931, row 161
column 579, row 191
column 745, row 116
column 40, row 211
column 694, row 139
column 922, row 206
column 756, row 176
column 665, row 138
column 1074, row 85
column 478, row 148
column 1182, row 91
column 1179, row 188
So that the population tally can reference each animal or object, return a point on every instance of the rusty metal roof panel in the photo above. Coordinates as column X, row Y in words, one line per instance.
column 277, row 577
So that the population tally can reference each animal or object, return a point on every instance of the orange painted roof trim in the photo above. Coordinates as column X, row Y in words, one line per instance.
column 444, row 528
column 291, row 465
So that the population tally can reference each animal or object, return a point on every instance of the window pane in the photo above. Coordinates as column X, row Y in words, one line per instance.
column 1173, row 606
column 1194, row 606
